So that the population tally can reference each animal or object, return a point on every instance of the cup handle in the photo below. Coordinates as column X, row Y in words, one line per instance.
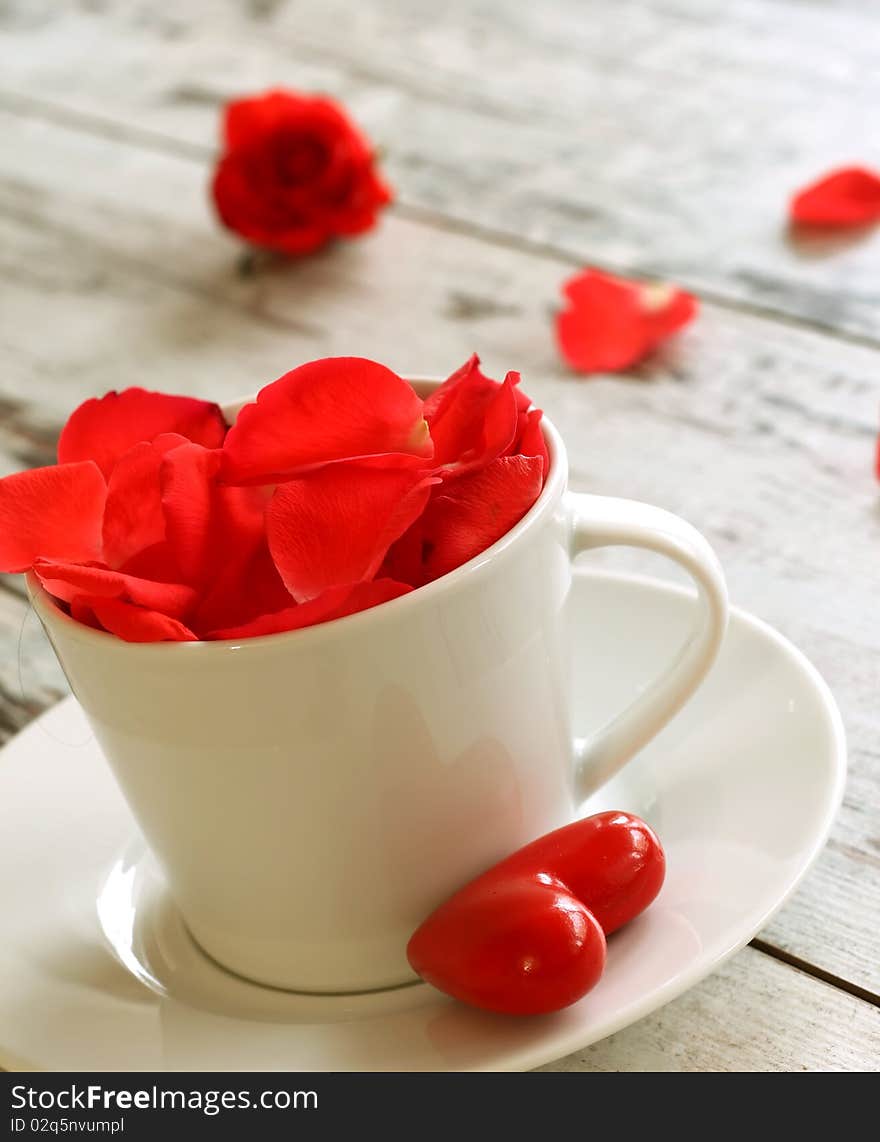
column 605, row 521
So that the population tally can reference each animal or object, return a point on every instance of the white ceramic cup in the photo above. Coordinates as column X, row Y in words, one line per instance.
column 312, row 796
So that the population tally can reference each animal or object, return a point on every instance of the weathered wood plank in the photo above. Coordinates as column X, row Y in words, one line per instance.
column 662, row 136
column 30, row 677
column 754, row 1014
column 760, row 434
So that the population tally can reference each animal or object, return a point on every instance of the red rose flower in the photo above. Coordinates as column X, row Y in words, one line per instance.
column 843, row 198
column 611, row 323
column 295, row 173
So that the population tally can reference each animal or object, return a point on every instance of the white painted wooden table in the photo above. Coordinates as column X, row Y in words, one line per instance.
column 658, row 137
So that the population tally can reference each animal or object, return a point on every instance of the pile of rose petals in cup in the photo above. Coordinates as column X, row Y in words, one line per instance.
column 336, row 490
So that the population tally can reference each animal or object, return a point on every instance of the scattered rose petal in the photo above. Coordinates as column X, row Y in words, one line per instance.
column 105, row 428
column 666, row 309
column 129, row 622
column 846, row 197
column 67, row 580
column 54, row 512
column 611, row 324
column 334, row 603
column 342, row 408
column 466, row 516
column 133, row 518
column 334, row 525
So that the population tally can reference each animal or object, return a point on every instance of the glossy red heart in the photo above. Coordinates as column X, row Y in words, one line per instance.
column 528, row 935
column 612, row 861
column 520, row 945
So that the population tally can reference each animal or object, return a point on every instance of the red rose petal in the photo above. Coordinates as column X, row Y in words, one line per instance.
column 523, row 402
column 498, row 430
column 530, row 440
column 239, row 518
column 611, row 323
column 441, row 396
column 846, row 197
column 218, row 537
column 334, row 603
column 334, row 525
column 214, row 530
column 105, row 428
column 665, row 310
column 254, row 213
column 466, row 516
column 404, row 561
column 251, row 120
column 336, row 409
column 248, row 118
column 186, row 479
column 602, row 330
column 54, row 512
column 129, row 622
column 67, row 580
column 83, row 613
column 477, row 512
column 472, row 419
column 357, row 213
column 156, row 562
column 133, row 518
column 244, row 587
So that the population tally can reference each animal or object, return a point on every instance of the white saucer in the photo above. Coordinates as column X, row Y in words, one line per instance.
column 742, row 788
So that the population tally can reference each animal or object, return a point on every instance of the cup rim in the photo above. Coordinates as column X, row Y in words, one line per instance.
column 48, row 610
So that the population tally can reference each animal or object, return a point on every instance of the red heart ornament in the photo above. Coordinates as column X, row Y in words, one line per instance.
column 520, row 945
column 528, row 935
column 613, row 862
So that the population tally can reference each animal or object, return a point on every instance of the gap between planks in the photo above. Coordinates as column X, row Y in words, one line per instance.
column 27, row 106
column 815, row 972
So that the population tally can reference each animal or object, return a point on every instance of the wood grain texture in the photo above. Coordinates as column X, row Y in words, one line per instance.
column 752, row 1015
column 658, row 136
column 762, row 435
column 30, row 677
column 661, row 136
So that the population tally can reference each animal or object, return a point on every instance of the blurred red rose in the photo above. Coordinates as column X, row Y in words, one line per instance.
column 295, row 173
